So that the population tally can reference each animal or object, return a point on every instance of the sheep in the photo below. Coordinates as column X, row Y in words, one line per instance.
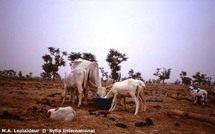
column 199, row 93
column 61, row 113
column 127, row 88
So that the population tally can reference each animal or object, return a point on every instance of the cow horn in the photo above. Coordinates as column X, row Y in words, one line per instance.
column 91, row 84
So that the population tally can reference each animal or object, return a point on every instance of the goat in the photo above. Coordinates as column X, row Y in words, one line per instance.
column 199, row 93
column 127, row 88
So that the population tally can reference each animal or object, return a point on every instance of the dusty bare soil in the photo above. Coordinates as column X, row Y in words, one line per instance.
column 28, row 101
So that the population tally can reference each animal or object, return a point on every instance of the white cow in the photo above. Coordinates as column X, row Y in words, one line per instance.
column 92, row 73
column 127, row 88
column 61, row 114
column 74, row 82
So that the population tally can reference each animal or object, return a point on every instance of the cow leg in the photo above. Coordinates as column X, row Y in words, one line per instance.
column 85, row 96
column 64, row 94
column 73, row 96
column 142, row 103
column 137, row 104
column 117, row 103
column 113, row 103
column 124, row 101
column 80, row 90
column 196, row 99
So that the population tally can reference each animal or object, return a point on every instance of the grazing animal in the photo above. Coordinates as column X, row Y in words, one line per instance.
column 198, row 93
column 61, row 113
column 74, row 82
column 92, row 79
column 127, row 88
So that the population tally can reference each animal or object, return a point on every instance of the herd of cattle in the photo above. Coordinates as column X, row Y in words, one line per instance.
column 84, row 76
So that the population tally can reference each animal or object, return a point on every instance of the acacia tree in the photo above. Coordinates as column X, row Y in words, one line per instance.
column 76, row 55
column 20, row 74
column 163, row 74
column 52, row 63
column 132, row 74
column 185, row 80
column 7, row 73
column 201, row 79
column 114, row 58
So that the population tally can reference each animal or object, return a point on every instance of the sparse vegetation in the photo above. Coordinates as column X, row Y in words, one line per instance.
column 114, row 59
column 76, row 55
column 185, row 80
column 162, row 74
column 52, row 63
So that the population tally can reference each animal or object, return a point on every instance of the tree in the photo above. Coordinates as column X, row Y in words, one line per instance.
column 130, row 73
column 20, row 74
column 76, row 55
column 201, row 78
column 29, row 75
column 114, row 58
column 208, row 81
column 89, row 56
column 185, row 80
column 73, row 56
column 133, row 75
column 163, row 74
column 8, row 73
column 52, row 63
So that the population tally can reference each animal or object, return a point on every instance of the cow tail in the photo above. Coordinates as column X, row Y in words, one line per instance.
column 141, row 88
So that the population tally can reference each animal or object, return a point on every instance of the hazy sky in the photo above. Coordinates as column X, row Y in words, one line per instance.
column 176, row 34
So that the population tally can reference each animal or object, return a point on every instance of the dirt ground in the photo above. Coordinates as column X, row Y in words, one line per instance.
column 28, row 101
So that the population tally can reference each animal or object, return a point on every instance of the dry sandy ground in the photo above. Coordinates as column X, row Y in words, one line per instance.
column 28, row 101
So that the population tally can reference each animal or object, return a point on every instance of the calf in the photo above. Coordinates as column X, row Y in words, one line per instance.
column 61, row 114
column 74, row 82
column 127, row 88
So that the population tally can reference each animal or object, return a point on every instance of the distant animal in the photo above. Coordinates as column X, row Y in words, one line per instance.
column 61, row 114
column 198, row 93
column 75, row 83
column 127, row 88
column 92, row 79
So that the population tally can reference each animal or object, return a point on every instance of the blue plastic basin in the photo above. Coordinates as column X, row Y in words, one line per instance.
column 102, row 103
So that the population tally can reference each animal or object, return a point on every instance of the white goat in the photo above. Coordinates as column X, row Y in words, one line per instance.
column 199, row 93
column 61, row 113
column 127, row 88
